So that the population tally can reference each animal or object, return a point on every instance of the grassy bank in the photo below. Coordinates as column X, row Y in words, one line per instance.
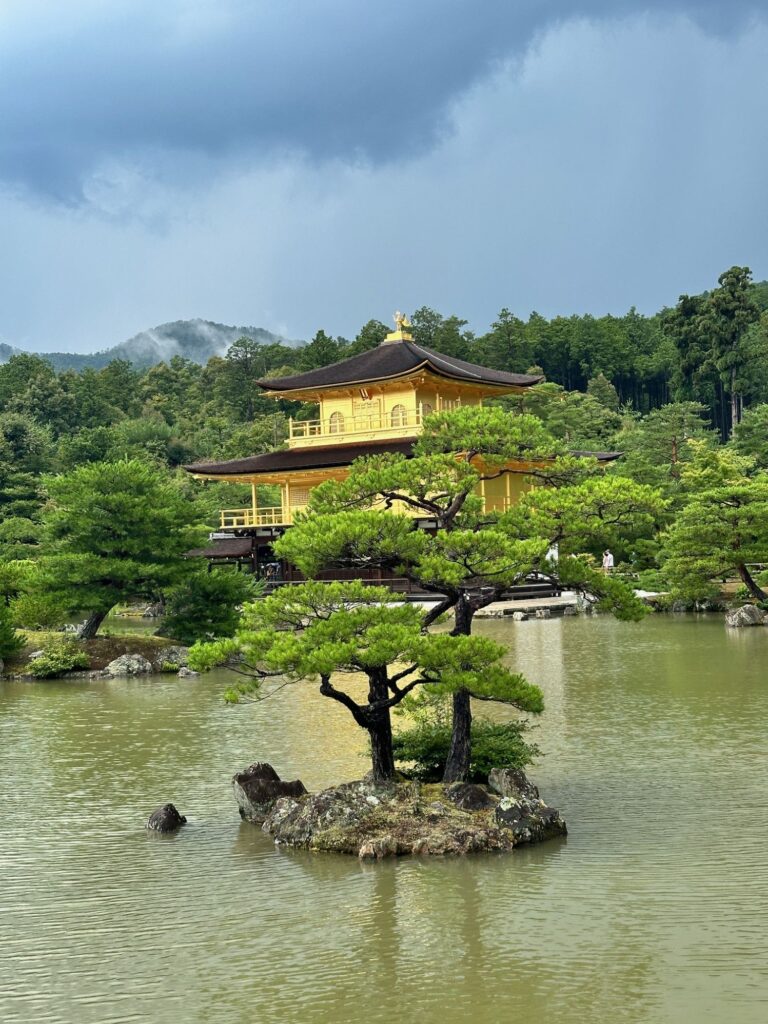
column 101, row 650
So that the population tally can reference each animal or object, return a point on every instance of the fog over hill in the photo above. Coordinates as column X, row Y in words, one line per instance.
column 197, row 340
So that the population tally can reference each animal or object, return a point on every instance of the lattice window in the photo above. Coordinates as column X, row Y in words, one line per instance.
column 299, row 496
column 336, row 423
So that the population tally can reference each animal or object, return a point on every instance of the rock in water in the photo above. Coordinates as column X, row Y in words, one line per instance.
column 129, row 665
column 166, row 819
column 258, row 788
column 512, row 782
column 373, row 820
column 747, row 615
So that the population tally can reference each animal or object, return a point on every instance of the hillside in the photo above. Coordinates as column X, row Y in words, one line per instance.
column 197, row 340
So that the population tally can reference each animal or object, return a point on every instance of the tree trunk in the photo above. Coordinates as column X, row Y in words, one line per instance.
column 749, row 583
column 460, row 752
column 734, row 403
column 91, row 625
column 380, row 729
column 457, row 765
column 382, row 759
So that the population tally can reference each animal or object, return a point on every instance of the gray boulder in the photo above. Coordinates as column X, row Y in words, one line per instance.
column 468, row 796
column 258, row 788
column 165, row 819
column 185, row 672
column 174, row 654
column 339, row 810
column 512, row 782
column 129, row 665
column 543, row 613
column 529, row 821
column 519, row 616
column 378, row 849
column 747, row 615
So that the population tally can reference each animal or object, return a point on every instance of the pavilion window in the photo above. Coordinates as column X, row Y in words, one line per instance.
column 299, row 496
column 399, row 416
column 336, row 423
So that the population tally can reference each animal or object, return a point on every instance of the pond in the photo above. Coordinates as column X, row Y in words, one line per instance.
column 653, row 910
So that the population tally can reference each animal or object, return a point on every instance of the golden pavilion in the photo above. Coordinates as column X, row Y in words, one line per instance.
column 370, row 403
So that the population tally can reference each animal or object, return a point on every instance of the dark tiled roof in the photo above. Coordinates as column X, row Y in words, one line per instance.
column 600, row 456
column 237, row 547
column 322, row 457
column 319, row 457
column 396, row 359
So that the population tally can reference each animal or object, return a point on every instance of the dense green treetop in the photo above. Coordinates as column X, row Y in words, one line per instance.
column 328, row 631
column 114, row 531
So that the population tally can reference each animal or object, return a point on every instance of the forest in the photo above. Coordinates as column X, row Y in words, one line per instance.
column 682, row 394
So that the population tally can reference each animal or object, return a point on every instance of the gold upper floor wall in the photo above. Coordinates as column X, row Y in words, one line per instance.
column 382, row 412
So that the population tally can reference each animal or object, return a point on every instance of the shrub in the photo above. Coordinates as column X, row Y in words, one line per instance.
column 170, row 666
column 494, row 745
column 10, row 640
column 652, row 580
column 207, row 605
column 62, row 655
column 37, row 610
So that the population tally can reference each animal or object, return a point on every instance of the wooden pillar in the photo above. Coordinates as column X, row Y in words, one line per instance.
column 508, row 485
column 254, row 504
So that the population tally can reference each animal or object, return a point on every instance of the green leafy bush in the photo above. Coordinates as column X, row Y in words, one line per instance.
column 37, row 610
column 207, row 605
column 60, row 656
column 494, row 745
column 10, row 641
column 651, row 580
column 170, row 666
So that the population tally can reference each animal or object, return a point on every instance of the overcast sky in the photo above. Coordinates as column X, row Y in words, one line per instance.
column 315, row 163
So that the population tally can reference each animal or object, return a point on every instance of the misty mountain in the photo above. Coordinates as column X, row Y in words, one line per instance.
column 197, row 340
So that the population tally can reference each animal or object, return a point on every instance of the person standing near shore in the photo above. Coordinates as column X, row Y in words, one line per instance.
column 607, row 561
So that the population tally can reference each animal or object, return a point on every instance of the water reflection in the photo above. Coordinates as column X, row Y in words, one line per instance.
column 653, row 910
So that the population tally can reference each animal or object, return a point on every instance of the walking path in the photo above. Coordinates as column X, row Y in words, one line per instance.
column 528, row 604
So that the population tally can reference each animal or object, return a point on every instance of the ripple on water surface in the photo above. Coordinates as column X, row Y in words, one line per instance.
column 653, row 910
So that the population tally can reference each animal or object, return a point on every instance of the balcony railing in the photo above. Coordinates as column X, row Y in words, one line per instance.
column 336, row 427
column 268, row 516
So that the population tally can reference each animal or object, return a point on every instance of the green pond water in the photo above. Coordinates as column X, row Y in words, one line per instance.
column 655, row 909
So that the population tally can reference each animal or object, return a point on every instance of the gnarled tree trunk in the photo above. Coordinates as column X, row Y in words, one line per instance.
column 460, row 752
column 755, row 591
column 379, row 726
column 90, row 627
column 457, row 765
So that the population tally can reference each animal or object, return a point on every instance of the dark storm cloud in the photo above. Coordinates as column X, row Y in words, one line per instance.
column 85, row 83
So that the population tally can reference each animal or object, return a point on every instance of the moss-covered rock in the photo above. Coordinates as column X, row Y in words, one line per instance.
column 373, row 821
